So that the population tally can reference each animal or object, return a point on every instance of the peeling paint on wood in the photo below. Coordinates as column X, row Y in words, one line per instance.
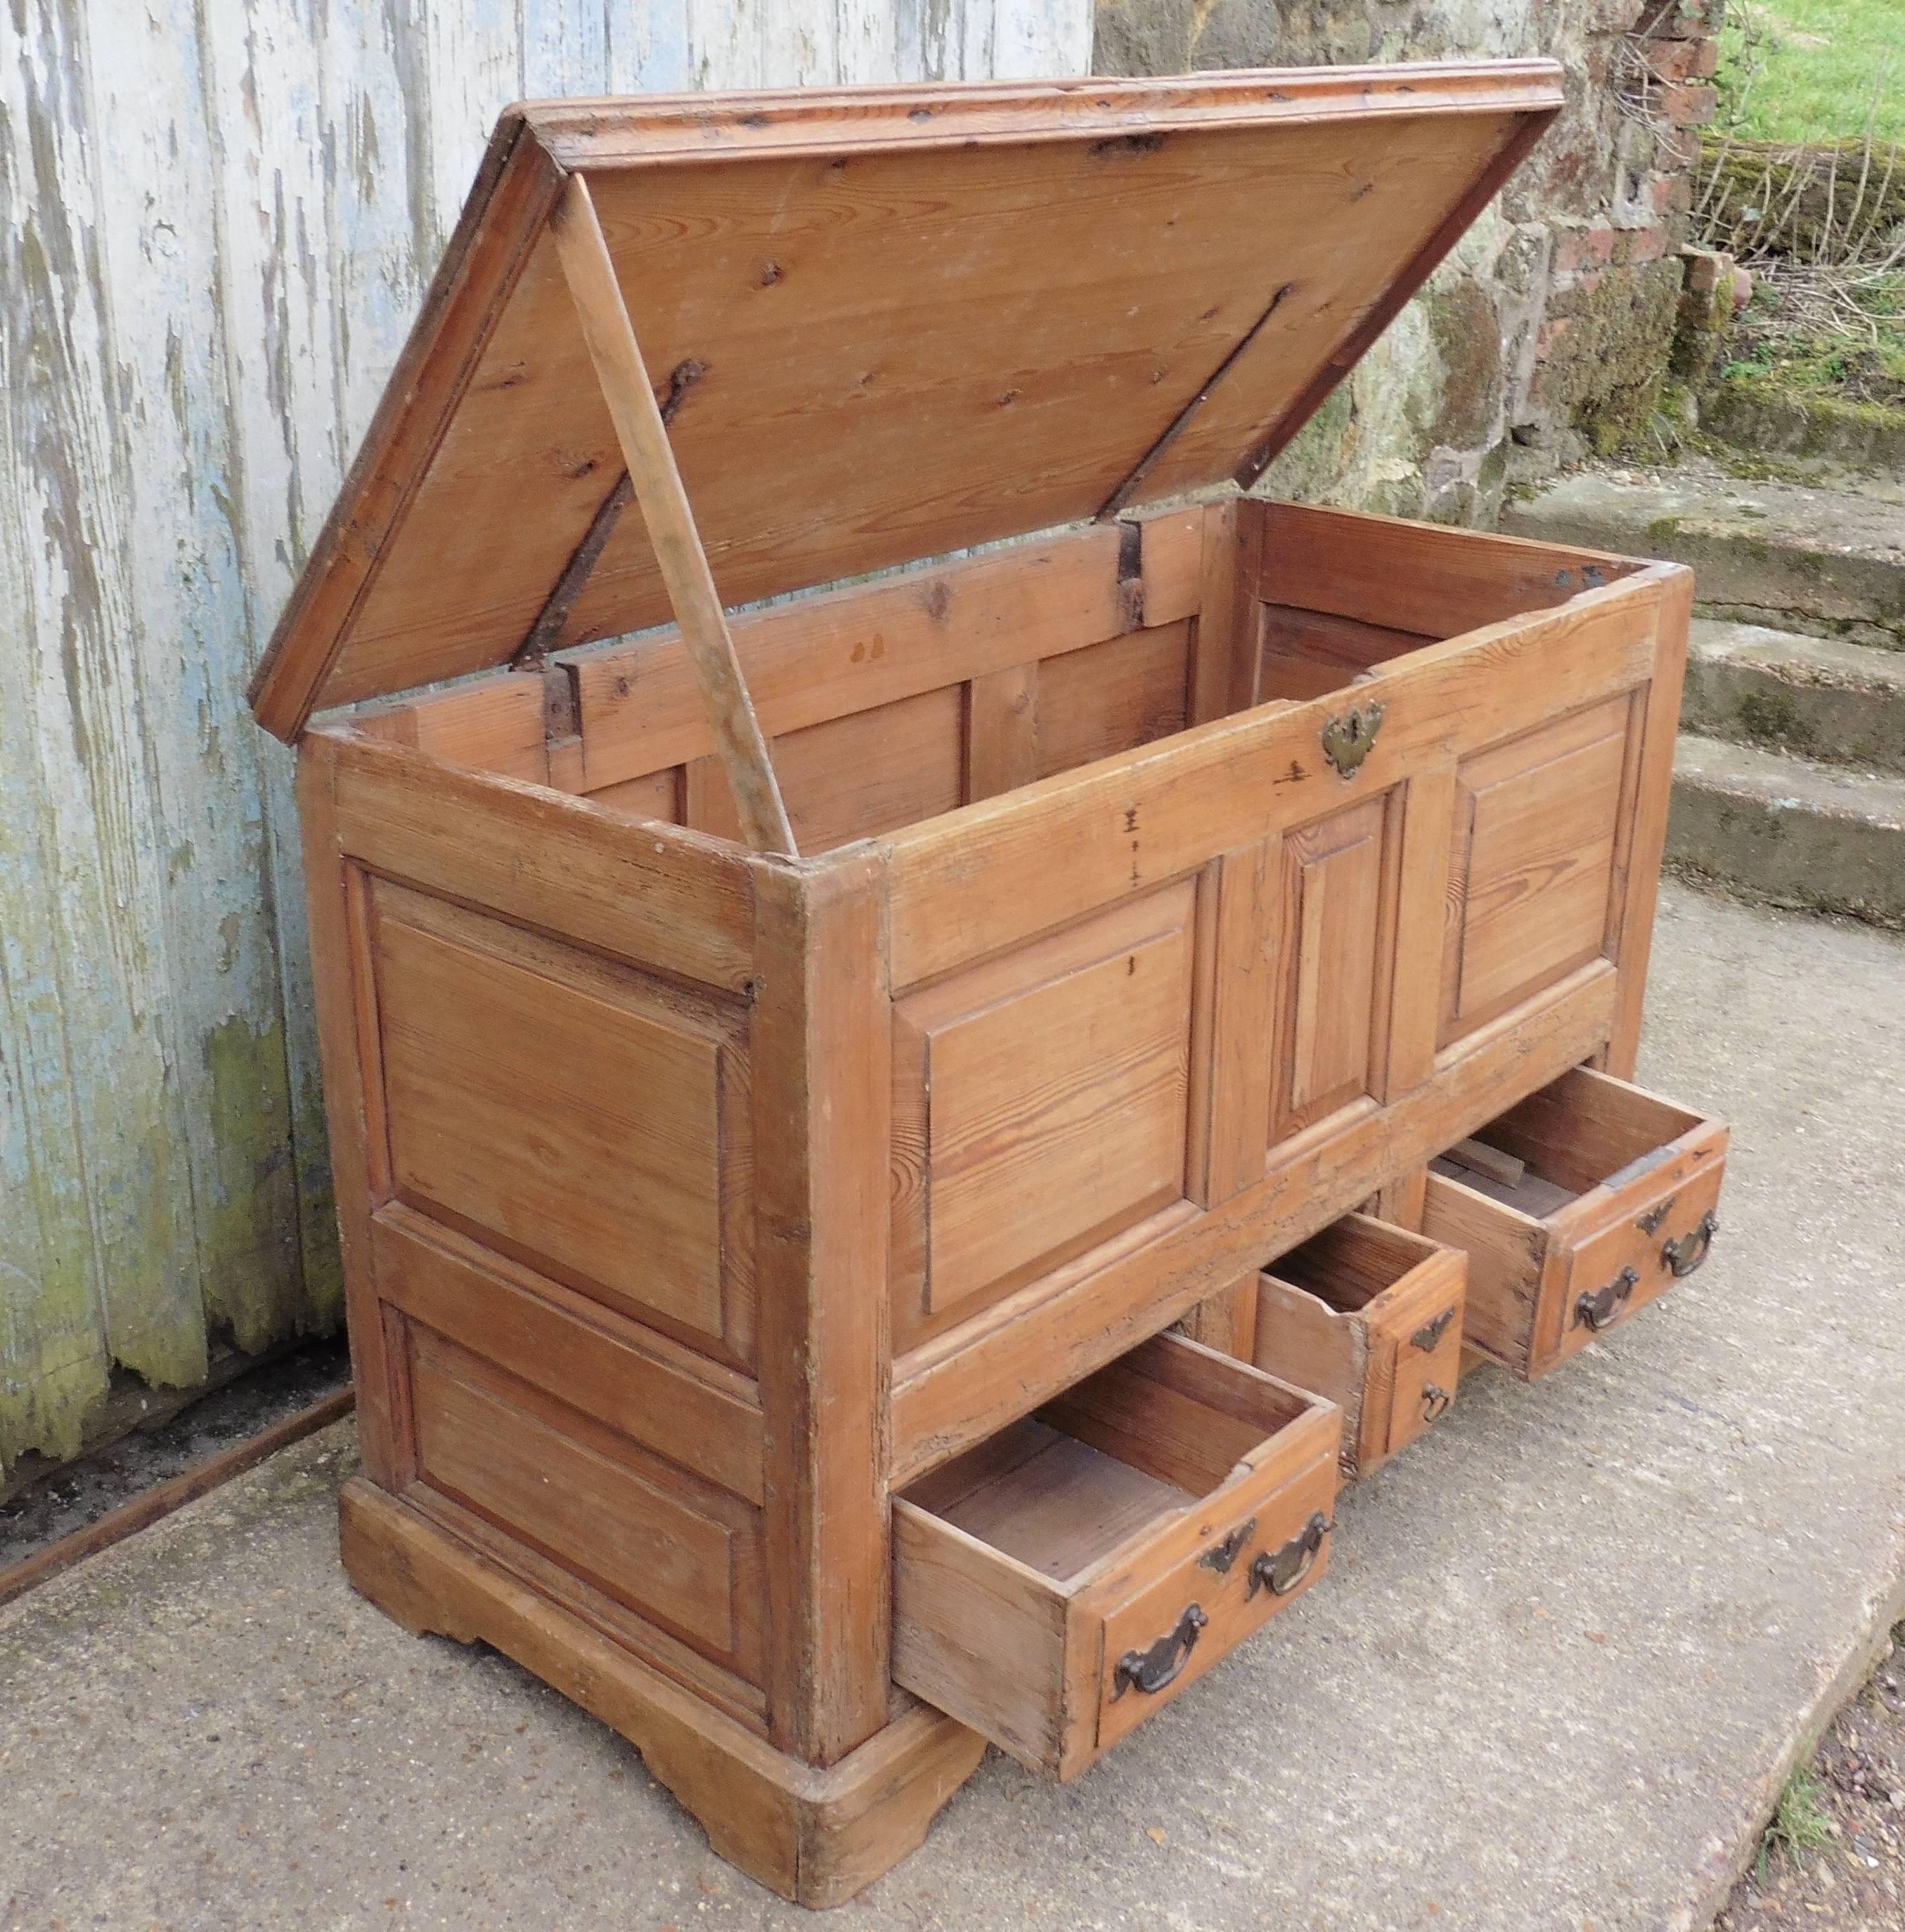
column 216, row 223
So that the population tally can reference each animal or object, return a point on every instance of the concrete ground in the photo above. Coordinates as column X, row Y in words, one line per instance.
column 1569, row 1647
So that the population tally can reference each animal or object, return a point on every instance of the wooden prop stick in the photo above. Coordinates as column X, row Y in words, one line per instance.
column 665, row 507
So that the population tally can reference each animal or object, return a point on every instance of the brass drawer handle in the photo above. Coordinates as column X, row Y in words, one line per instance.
column 1434, row 1400
column 1431, row 1332
column 1599, row 1310
column 1281, row 1570
column 1152, row 1670
column 1685, row 1253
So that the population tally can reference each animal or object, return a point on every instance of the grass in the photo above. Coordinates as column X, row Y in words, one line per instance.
column 1798, row 1824
column 1812, row 69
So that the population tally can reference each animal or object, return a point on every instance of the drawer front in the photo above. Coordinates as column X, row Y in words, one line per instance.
column 1415, row 1352
column 1266, row 1552
column 1370, row 1316
column 1632, row 1246
column 1053, row 1618
column 1562, row 1258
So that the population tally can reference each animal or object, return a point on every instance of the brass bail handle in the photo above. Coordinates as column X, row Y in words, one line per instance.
column 1599, row 1310
column 1151, row 1669
column 1686, row 1252
column 1281, row 1570
column 1434, row 1400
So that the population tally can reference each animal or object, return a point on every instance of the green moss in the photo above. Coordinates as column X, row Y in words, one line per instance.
column 1607, row 370
column 1771, row 717
column 1467, row 334
column 1664, row 529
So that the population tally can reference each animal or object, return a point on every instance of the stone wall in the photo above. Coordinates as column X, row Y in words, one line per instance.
column 1545, row 338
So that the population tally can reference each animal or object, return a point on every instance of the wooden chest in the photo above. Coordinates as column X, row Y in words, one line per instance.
column 787, row 1069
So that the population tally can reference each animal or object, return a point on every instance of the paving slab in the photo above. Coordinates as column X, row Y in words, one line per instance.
column 1570, row 1646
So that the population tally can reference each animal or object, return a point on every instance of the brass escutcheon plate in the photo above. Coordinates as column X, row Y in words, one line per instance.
column 1349, row 736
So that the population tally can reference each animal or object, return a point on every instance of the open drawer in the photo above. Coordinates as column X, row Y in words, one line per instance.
column 1614, row 1201
column 1368, row 1315
column 1058, row 1583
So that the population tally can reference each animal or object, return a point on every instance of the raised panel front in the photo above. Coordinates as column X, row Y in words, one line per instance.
column 572, row 1115
column 1538, row 832
column 679, row 1552
column 1041, row 1104
column 1336, row 926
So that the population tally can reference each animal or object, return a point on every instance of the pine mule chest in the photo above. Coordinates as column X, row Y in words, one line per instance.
column 789, row 1071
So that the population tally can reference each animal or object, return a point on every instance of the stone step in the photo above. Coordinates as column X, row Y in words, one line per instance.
column 1763, row 420
column 1789, row 829
column 1831, row 562
column 1841, row 704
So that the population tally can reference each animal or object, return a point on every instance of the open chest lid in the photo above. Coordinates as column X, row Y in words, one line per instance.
column 883, row 323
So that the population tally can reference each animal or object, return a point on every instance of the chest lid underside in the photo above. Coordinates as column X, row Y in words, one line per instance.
column 884, row 323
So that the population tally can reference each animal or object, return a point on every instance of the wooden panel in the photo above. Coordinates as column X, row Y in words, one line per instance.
column 1244, row 1018
column 1301, row 1338
column 658, row 796
column 1002, row 730
column 1330, row 970
column 1112, row 697
column 984, row 1637
column 629, row 1379
column 857, row 776
column 583, row 1120
column 342, row 971
column 958, row 1387
column 493, row 724
column 1537, row 820
column 652, row 894
column 874, row 771
column 1043, row 375
column 987, row 877
column 1582, row 1129
column 827, row 656
column 618, row 1519
column 1048, row 1091
column 1342, row 644
column 1296, row 680
column 1419, row 578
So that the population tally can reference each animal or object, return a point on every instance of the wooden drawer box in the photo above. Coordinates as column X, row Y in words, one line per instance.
column 1617, row 1201
column 1058, row 1584
column 856, row 876
column 1368, row 1315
